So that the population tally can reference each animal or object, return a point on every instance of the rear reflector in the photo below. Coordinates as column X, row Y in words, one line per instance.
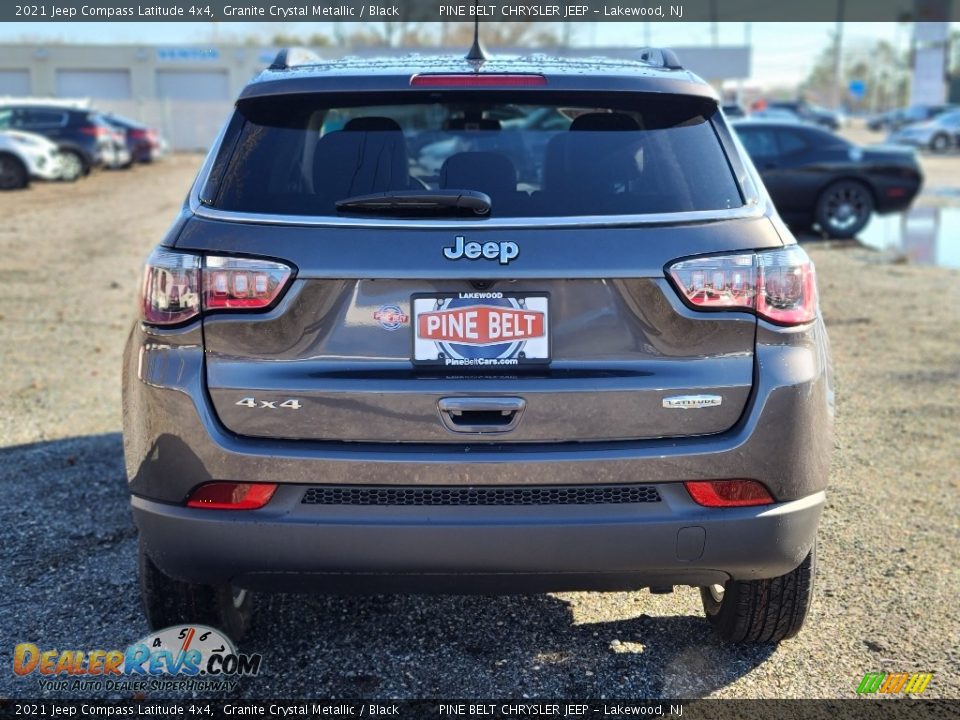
column 231, row 496
column 478, row 80
column 728, row 493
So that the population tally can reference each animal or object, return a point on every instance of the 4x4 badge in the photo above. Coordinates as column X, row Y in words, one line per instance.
column 505, row 251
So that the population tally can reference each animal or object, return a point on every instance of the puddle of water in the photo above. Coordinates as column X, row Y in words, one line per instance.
column 925, row 235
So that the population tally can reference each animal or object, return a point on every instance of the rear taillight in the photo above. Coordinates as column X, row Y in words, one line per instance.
column 179, row 286
column 231, row 496
column 95, row 130
column 478, row 80
column 778, row 285
column 242, row 282
column 171, row 287
column 728, row 493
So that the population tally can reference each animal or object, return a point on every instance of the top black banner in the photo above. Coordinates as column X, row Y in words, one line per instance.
column 500, row 10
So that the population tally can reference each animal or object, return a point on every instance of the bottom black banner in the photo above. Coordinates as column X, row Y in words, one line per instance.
column 486, row 709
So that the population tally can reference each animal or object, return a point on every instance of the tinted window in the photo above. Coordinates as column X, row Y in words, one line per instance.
column 590, row 157
column 790, row 142
column 6, row 118
column 759, row 142
column 40, row 119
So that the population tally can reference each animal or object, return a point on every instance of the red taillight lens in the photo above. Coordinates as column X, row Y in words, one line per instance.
column 728, row 493
column 96, row 130
column 171, row 288
column 231, row 496
column 242, row 283
column 779, row 285
column 179, row 286
column 478, row 80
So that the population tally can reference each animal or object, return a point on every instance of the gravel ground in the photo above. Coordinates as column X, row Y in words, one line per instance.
column 886, row 594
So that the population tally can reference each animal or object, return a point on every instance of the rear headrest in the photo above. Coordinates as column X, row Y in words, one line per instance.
column 590, row 162
column 359, row 162
column 600, row 121
column 472, row 124
column 488, row 172
column 372, row 124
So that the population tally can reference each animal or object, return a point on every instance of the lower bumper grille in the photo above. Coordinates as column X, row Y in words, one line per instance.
column 538, row 495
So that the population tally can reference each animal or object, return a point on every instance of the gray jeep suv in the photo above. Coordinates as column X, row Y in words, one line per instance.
column 521, row 325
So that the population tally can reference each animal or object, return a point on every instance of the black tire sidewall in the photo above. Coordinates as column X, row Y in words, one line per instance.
column 824, row 222
column 727, row 617
column 167, row 602
column 17, row 163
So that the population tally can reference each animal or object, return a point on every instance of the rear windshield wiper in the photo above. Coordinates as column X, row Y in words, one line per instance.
column 418, row 201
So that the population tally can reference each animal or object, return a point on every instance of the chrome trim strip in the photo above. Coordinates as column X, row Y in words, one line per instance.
column 740, row 213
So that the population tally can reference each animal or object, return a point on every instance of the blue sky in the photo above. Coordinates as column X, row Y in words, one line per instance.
column 782, row 54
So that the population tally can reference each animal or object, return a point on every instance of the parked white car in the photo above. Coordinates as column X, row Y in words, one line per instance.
column 25, row 156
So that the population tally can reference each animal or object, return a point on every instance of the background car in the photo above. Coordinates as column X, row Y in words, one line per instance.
column 733, row 110
column 781, row 114
column 815, row 177
column 83, row 140
column 24, row 156
column 937, row 135
column 118, row 155
column 142, row 141
column 896, row 119
column 809, row 112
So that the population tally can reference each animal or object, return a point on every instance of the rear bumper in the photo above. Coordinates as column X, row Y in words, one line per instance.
column 292, row 546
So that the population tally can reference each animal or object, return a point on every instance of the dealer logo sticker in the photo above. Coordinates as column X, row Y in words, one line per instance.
column 391, row 317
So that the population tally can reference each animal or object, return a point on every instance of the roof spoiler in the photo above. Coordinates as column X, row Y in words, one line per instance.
column 661, row 57
column 295, row 57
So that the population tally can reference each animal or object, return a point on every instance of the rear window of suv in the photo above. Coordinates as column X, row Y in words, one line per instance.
column 534, row 155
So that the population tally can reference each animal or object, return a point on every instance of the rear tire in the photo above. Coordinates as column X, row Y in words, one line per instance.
column 844, row 209
column 940, row 143
column 167, row 602
column 13, row 173
column 762, row 610
column 72, row 166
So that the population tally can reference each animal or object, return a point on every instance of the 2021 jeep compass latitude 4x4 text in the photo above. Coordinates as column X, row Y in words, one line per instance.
column 426, row 324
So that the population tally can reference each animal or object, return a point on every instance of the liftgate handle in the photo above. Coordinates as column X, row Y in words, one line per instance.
column 481, row 414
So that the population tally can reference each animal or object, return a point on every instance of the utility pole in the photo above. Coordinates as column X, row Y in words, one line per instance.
column 838, row 56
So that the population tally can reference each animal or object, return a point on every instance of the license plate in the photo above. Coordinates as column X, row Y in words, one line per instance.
column 481, row 329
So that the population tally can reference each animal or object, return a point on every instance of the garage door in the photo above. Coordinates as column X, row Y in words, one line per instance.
column 99, row 84
column 195, row 104
column 15, row 83
column 186, row 85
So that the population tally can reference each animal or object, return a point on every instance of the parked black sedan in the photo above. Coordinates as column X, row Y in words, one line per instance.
column 817, row 178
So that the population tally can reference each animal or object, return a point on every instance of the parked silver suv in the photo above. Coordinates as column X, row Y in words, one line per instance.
column 520, row 325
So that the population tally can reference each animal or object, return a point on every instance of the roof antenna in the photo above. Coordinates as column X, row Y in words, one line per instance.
column 476, row 52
